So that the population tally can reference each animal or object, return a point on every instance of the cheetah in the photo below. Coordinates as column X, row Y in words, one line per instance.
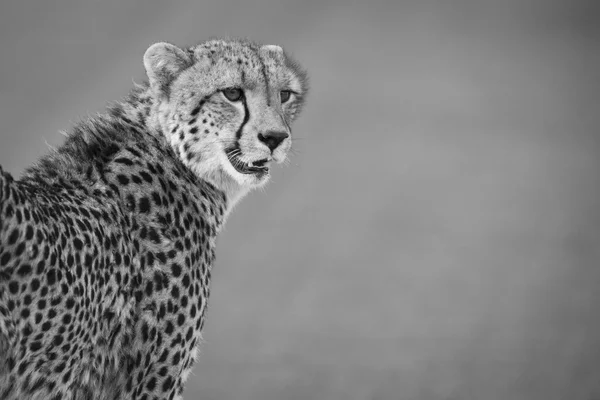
column 107, row 243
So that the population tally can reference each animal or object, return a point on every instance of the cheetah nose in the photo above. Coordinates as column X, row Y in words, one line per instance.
column 272, row 138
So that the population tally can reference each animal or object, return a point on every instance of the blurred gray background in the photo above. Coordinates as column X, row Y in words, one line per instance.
column 437, row 234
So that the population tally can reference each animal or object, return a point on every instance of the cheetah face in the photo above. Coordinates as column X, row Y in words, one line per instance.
column 226, row 107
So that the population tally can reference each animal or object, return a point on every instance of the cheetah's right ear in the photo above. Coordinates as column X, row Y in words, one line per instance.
column 163, row 62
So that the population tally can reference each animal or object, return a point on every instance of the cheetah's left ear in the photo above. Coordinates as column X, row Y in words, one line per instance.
column 163, row 62
column 272, row 47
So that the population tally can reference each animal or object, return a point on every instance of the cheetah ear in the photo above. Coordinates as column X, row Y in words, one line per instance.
column 163, row 62
column 272, row 47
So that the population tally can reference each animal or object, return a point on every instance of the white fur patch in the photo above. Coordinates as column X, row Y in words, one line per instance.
column 273, row 47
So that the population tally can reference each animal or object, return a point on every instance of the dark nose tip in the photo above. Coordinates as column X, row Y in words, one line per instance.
column 272, row 139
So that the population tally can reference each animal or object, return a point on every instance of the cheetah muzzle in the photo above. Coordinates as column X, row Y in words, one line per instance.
column 107, row 244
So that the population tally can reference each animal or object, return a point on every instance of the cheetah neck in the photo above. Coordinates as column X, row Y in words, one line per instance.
column 141, row 109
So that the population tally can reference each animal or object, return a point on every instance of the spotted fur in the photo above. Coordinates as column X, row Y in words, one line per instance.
column 106, row 244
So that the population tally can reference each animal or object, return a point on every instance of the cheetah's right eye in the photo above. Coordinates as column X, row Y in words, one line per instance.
column 285, row 95
column 233, row 94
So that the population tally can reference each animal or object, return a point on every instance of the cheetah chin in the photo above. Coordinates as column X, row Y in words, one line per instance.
column 259, row 168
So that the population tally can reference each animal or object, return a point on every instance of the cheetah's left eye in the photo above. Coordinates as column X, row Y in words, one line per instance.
column 285, row 95
column 233, row 94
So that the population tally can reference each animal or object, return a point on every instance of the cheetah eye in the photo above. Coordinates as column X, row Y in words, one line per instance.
column 285, row 95
column 233, row 94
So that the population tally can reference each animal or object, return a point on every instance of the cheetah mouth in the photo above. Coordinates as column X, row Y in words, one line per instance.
column 259, row 167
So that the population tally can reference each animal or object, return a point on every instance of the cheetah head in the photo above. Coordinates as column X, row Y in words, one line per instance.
column 226, row 107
